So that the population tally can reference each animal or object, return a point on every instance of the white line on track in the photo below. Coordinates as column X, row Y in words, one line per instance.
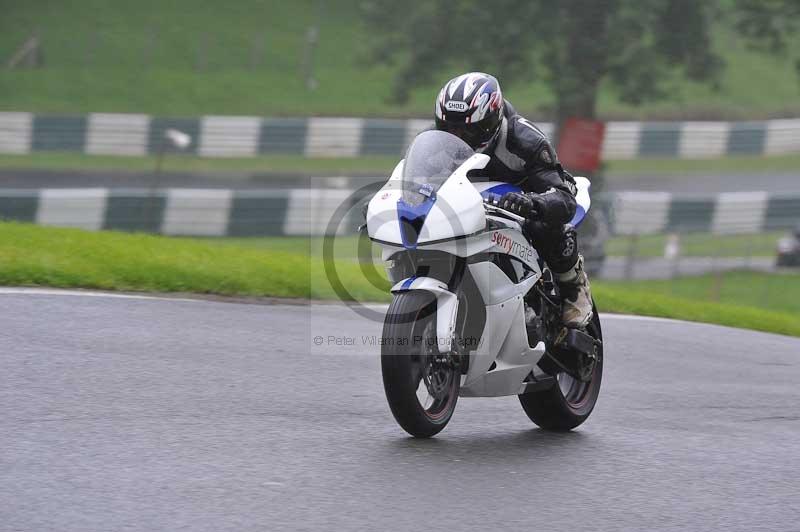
column 376, row 307
column 633, row 317
column 86, row 293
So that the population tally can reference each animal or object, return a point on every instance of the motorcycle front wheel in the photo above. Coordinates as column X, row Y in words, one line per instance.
column 567, row 403
column 421, row 384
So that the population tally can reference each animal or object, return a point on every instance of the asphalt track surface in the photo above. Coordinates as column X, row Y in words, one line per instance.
column 708, row 184
column 150, row 414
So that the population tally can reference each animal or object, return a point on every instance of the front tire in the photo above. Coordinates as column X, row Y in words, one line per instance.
column 421, row 384
column 567, row 403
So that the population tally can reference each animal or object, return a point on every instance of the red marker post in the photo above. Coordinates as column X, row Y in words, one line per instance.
column 580, row 148
column 580, row 145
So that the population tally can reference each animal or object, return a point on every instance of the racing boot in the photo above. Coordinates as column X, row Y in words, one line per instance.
column 576, row 296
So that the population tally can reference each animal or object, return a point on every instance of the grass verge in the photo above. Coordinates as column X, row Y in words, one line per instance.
column 288, row 164
column 72, row 258
column 697, row 245
column 645, row 246
column 769, row 292
column 639, row 300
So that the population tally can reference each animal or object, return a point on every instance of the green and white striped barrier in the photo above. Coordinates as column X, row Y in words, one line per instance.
column 249, row 136
column 300, row 212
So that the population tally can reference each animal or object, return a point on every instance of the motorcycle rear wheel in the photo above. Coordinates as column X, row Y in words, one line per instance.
column 421, row 384
column 567, row 403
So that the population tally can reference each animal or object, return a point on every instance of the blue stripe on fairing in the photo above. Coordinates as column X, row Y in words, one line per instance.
column 412, row 214
column 407, row 283
column 499, row 190
column 580, row 214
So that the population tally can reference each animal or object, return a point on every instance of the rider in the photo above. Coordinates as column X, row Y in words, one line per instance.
column 471, row 106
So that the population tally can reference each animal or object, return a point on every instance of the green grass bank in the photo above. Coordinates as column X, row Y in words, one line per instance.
column 188, row 58
column 72, row 258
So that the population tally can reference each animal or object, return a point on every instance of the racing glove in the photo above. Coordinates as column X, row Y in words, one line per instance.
column 526, row 205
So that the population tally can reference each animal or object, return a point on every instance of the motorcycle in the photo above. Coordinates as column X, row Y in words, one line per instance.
column 475, row 311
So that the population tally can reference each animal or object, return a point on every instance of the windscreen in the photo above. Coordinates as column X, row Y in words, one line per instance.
column 430, row 160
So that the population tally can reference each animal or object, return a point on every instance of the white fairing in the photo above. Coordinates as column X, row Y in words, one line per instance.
column 457, row 211
column 507, row 240
column 583, row 185
column 582, row 197
column 382, row 221
column 458, row 224
column 504, row 340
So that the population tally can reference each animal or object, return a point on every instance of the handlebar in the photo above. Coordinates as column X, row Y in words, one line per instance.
column 491, row 206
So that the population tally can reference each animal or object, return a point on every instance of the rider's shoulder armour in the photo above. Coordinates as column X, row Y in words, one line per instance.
column 523, row 154
column 528, row 144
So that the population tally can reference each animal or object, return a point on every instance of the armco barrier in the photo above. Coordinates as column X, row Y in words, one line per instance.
column 181, row 211
column 643, row 213
column 300, row 212
column 249, row 136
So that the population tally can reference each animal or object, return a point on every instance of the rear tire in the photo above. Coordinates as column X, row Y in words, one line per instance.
column 568, row 402
column 413, row 367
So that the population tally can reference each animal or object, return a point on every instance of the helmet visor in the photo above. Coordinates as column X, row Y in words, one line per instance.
column 473, row 134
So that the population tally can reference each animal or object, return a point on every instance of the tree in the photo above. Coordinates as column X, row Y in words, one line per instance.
column 573, row 45
column 768, row 24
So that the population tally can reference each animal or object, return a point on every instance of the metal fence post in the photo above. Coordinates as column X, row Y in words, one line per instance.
column 716, row 274
column 672, row 252
column 633, row 242
column 148, row 52
column 201, row 61
column 92, row 44
column 257, row 51
column 312, row 36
